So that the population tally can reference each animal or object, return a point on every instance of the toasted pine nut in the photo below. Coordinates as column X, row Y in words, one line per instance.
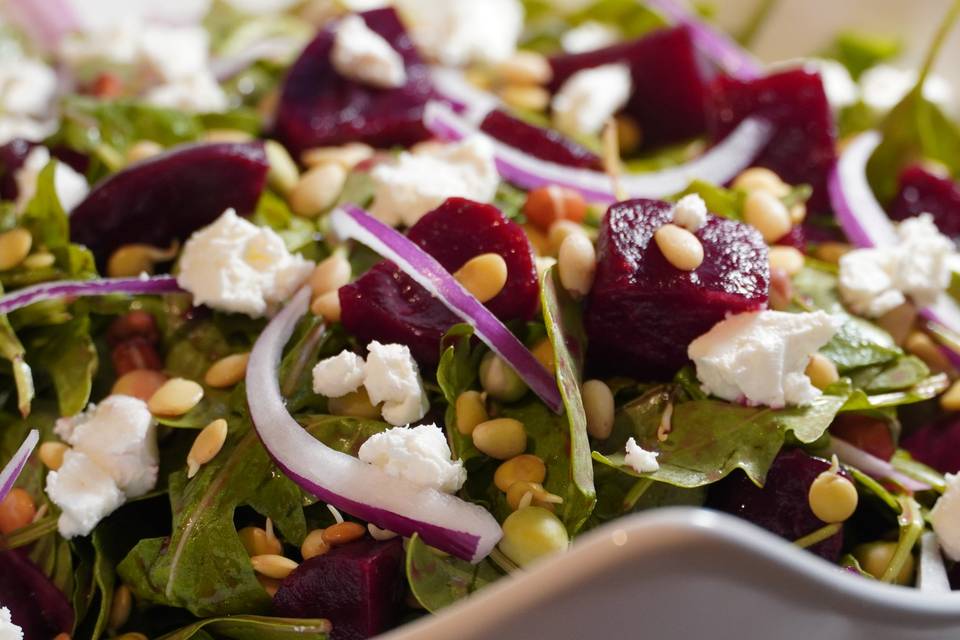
column 143, row 149
column 283, row 174
column 923, row 346
column 471, row 411
column 314, row 545
column 227, row 135
column 788, row 259
column 681, row 248
column 484, row 276
column 227, row 371
column 139, row 383
column 629, row 134
column 131, row 260
column 257, row 543
column 899, row 322
column 206, row 446
column 14, row 247
column 273, row 565
column 120, row 608
column 538, row 239
column 525, row 67
column 577, row 264
column 598, row 406
column 347, row 156
column 51, row 454
column 317, row 190
column 502, row 438
column 327, row 306
column 526, row 97
column 559, row 231
column 821, row 371
column 270, row 585
column 767, row 214
column 176, row 397
column 950, row 400
column 543, row 352
column 330, row 274
column 760, row 179
column 832, row 251
column 342, row 533
column 522, row 468
column 40, row 260
column 798, row 213
column 17, row 510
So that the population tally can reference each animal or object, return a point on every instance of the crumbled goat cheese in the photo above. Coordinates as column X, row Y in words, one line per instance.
column 417, row 454
column 588, row 36
column 945, row 517
column 761, row 356
column 85, row 493
column 641, row 460
column 28, row 88
column 361, row 54
column 71, row 187
column 391, row 376
column 458, row 32
column 234, row 265
column 590, row 97
column 884, row 86
column 874, row 281
column 690, row 212
column 416, row 183
column 198, row 94
column 337, row 376
column 8, row 630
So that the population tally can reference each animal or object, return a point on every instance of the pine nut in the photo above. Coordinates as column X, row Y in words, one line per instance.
column 273, row 565
column 330, row 274
column 314, row 545
column 327, row 306
column 899, row 322
column 14, row 247
column 543, row 352
column 471, row 411
column 317, row 190
column 120, row 608
column 831, row 251
column 788, row 259
column 522, row 468
column 207, row 445
column 757, row 179
column 283, row 174
column 538, row 239
column 798, row 213
column 40, row 260
column 355, row 404
column 343, row 533
column 143, row 149
column 257, row 543
column 629, row 134
column 270, row 585
column 521, row 494
column 546, row 205
column 525, row 67
column 767, row 214
column 577, row 264
column 681, row 248
column 17, row 510
column 559, row 231
column 484, row 276
column 950, row 400
column 922, row 346
column 227, row 371
column 525, row 97
column 499, row 379
column 131, row 260
column 139, row 383
column 502, row 438
column 227, row 135
column 176, row 397
column 821, row 371
column 51, row 454
column 599, row 408
column 347, row 156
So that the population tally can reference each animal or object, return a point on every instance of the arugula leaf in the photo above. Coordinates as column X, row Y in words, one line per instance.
column 245, row 627
column 297, row 232
column 340, row 433
column 456, row 373
column 11, row 349
column 438, row 580
column 720, row 201
column 902, row 373
column 926, row 389
column 68, row 355
column 860, row 51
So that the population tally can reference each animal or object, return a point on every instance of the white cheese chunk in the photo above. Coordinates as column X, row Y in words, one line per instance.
column 588, row 36
column 945, row 517
column 417, row 454
column 71, row 187
column 361, row 54
column 175, row 53
column 198, row 93
column 85, row 493
column 234, row 265
column 639, row 459
column 28, row 89
column 416, row 183
column 761, row 357
column 590, row 97
column 883, row 86
column 8, row 630
column 458, row 32
column 339, row 375
column 391, row 376
column 690, row 212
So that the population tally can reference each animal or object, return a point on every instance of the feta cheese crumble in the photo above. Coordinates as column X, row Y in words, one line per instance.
column 760, row 357
column 85, row 493
column 339, row 375
column 417, row 454
column 28, row 88
column 8, row 630
column 588, row 36
column 590, row 97
column 874, row 281
column 71, row 187
column 639, row 459
column 884, row 86
column 416, row 183
column 945, row 517
column 391, row 376
column 234, row 265
column 690, row 212
column 361, row 54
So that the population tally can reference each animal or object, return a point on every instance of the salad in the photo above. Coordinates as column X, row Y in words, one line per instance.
column 319, row 316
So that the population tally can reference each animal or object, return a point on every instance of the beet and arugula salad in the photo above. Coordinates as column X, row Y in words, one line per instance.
column 318, row 316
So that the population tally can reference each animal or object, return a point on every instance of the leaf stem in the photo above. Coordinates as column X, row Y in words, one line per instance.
column 29, row 534
column 821, row 534
column 938, row 39
column 911, row 526
column 636, row 492
column 749, row 32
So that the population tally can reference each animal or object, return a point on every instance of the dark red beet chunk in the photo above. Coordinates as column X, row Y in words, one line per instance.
column 863, row 432
column 643, row 312
column 922, row 191
column 781, row 506
column 12, row 156
column 35, row 604
column 359, row 587
column 386, row 305
column 540, row 142
column 319, row 107
column 670, row 81
column 168, row 197
column 937, row 444
column 803, row 148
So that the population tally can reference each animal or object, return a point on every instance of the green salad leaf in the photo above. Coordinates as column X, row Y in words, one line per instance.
column 340, row 433
column 254, row 628
column 859, row 51
column 456, row 373
column 438, row 579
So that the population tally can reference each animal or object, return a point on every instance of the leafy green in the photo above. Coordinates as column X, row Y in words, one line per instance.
column 860, row 51
column 297, row 232
column 68, row 355
column 720, row 201
column 438, row 580
column 343, row 434
column 254, row 628
column 11, row 349
column 903, row 462
column 456, row 373
column 926, row 389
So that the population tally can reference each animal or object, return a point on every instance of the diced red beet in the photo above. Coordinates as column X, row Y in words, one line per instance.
column 937, row 444
column 796, row 238
column 359, row 587
column 12, row 156
column 922, row 191
column 169, row 196
column 319, row 107
column 540, row 142
column 35, row 604
column 781, row 506
column 803, row 148
column 643, row 312
column 670, row 82
column 385, row 304
column 870, row 434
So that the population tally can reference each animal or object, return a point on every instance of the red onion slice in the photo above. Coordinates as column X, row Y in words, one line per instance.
column 444, row 521
column 719, row 165
column 13, row 468
column 100, row 287
column 871, row 465
column 46, row 22
column 350, row 222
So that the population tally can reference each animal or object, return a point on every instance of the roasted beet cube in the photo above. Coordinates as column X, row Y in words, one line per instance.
column 803, row 147
column 319, row 107
column 865, row 432
column 386, row 305
column 781, row 506
column 35, row 603
column 12, row 156
column 922, row 191
column 937, row 444
column 168, row 197
column 359, row 587
column 540, row 142
column 670, row 81
column 643, row 312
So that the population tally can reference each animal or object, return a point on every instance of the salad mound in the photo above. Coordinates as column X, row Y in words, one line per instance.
column 317, row 317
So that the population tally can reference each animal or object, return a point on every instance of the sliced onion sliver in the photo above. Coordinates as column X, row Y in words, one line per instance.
column 100, row 287
column 932, row 574
column 444, row 521
column 16, row 464
column 350, row 222
column 871, row 465
column 719, row 165
column 472, row 102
